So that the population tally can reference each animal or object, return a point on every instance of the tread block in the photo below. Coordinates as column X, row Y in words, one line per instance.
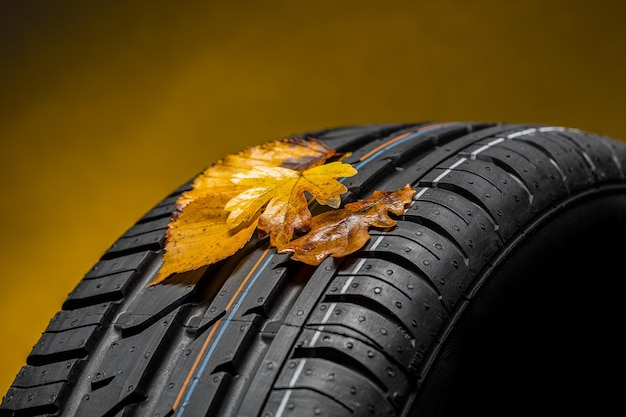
column 134, row 262
column 32, row 401
column 258, row 299
column 150, row 305
column 125, row 369
column 465, row 221
column 147, row 241
column 262, row 296
column 97, row 290
column 68, row 344
column 414, row 287
column 233, row 346
column 596, row 150
column 566, row 156
column 71, row 319
column 409, row 316
column 357, row 356
column 302, row 403
column 164, row 209
column 337, row 382
column 367, row 175
column 34, row 376
column 366, row 325
column 531, row 168
column 149, row 226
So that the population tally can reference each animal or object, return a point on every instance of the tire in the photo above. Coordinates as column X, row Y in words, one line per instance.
column 500, row 290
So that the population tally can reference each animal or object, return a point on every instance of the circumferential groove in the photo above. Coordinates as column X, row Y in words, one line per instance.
column 336, row 356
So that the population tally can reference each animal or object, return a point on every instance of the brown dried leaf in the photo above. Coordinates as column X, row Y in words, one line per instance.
column 341, row 232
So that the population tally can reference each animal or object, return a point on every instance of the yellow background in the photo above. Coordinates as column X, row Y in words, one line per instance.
column 105, row 109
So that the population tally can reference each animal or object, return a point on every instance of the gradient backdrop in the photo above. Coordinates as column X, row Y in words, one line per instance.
column 105, row 109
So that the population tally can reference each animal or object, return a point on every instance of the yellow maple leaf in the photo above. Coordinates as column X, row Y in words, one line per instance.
column 341, row 232
column 198, row 234
column 293, row 153
column 283, row 191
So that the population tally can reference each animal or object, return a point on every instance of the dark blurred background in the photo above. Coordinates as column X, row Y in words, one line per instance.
column 105, row 108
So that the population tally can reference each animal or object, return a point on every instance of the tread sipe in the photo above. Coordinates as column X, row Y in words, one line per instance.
column 498, row 292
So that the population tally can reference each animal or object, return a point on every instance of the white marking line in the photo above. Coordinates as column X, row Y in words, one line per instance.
column 447, row 171
column 318, row 332
column 485, row 147
column 522, row 133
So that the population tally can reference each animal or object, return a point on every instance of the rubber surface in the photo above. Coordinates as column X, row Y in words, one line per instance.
column 427, row 319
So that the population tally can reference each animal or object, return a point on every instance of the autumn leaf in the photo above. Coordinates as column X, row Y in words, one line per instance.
column 198, row 234
column 201, row 237
column 341, row 232
column 282, row 192
column 293, row 153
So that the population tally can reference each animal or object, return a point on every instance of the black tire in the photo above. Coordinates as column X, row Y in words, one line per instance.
column 500, row 291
